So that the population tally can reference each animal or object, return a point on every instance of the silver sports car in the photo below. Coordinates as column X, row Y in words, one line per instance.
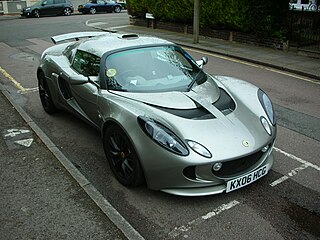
column 163, row 120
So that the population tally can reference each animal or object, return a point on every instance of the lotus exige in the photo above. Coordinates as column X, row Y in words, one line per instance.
column 163, row 120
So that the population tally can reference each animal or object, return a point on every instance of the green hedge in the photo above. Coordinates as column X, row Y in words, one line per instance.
column 263, row 17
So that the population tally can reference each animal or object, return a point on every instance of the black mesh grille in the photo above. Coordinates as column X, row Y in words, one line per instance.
column 237, row 166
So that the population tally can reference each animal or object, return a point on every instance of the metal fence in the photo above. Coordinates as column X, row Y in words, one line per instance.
column 304, row 30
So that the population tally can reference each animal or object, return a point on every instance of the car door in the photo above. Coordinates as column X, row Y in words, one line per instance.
column 58, row 6
column 100, row 7
column 86, row 95
column 47, row 7
column 109, row 6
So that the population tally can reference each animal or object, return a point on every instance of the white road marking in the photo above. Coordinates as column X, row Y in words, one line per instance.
column 182, row 229
column 29, row 90
column 96, row 24
column 117, row 27
column 305, row 164
column 13, row 132
column 25, row 142
column 297, row 158
column 254, row 65
column 18, row 85
column 290, row 174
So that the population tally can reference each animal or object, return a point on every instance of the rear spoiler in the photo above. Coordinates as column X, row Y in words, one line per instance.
column 76, row 36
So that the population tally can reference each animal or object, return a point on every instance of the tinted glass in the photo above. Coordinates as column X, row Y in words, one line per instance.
column 152, row 69
column 59, row 1
column 86, row 64
column 48, row 2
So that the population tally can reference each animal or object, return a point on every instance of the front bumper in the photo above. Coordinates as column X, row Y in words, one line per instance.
column 210, row 190
column 82, row 9
column 25, row 13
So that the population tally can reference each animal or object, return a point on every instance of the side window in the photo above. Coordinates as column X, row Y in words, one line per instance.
column 47, row 2
column 86, row 64
column 70, row 51
column 59, row 1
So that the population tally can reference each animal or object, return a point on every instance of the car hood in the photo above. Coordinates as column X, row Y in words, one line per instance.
column 207, row 91
column 226, row 135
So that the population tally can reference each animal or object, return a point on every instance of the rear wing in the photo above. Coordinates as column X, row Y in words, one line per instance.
column 75, row 36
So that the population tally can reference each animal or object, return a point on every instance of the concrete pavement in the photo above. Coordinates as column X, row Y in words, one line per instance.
column 43, row 196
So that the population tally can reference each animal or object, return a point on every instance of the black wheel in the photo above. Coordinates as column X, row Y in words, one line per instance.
column 36, row 13
column 93, row 10
column 45, row 95
column 313, row 7
column 117, row 9
column 67, row 11
column 122, row 157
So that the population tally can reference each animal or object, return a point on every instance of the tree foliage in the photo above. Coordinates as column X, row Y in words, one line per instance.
column 264, row 17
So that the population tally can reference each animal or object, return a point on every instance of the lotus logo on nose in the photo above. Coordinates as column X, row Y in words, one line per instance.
column 245, row 143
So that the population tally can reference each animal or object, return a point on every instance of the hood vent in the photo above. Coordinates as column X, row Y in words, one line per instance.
column 225, row 103
column 199, row 113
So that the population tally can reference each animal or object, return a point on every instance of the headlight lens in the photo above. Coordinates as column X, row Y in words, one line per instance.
column 267, row 105
column 163, row 136
column 265, row 125
column 28, row 9
column 198, row 148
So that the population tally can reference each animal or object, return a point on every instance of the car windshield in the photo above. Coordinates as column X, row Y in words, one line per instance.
column 152, row 69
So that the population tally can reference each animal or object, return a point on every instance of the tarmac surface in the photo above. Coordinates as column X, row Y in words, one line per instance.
column 46, row 197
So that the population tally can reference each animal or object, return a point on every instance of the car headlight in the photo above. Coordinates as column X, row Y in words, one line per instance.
column 198, row 148
column 28, row 9
column 265, row 125
column 162, row 136
column 267, row 105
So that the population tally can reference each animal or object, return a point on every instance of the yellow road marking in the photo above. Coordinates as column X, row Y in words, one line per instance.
column 8, row 76
column 254, row 65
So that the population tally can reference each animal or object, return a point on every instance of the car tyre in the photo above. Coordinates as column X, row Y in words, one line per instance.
column 36, row 13
column 67, row 11
column 45, row 95
column 313, row 7
column 117, row 9
column 122, row 157
column 93, row 10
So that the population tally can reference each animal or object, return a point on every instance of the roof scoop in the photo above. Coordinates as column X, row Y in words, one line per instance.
column 129, row 36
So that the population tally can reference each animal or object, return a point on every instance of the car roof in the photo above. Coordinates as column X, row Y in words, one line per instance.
column 113, row 41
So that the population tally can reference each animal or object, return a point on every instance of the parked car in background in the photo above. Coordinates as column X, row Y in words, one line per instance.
column 48, row 7
column 307, row 5
column 99, row 6
column 123, row 4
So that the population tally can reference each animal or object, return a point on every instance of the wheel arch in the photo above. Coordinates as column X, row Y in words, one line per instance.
column 36, row 9
column 108, row 123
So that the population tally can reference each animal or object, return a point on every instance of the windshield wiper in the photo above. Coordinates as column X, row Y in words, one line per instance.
column 194, row 80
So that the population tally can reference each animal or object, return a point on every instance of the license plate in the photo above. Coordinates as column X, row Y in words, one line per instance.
column 247, row 179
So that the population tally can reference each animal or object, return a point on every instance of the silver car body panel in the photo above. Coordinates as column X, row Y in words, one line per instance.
column 223, row 134
column 75, row 36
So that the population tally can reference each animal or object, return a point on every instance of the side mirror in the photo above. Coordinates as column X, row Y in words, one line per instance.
column 80, row 79
column 77, row 79
column 203, row 61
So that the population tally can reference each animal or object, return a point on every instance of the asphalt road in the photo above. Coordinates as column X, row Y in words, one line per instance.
column 275, row 207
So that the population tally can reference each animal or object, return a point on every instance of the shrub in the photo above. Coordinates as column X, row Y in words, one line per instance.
column 261, row 17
